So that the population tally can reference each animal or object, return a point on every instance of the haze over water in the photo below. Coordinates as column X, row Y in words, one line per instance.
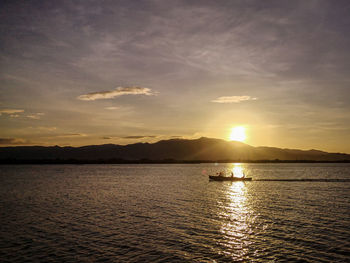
column 172, row 213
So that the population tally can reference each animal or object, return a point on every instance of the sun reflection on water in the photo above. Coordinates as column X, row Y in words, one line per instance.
column 237, row 170
column 236, row 218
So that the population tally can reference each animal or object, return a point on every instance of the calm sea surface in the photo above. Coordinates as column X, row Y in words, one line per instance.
column 172, row 213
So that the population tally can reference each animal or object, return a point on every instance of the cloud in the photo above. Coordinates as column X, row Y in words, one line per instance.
column 70, row 135
column 120, row 91
column 10, row 112
column 133, row 137
column 111, row 108
column 138, row 136
column 35, row 116
column 40, row 129
column 233, row 99
column 13, row 141
column 47, row 128
column 13, row 113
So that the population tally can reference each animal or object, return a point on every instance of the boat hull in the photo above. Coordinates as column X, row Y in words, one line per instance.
column 231, row 179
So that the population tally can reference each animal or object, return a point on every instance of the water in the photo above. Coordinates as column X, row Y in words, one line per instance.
column 172, row 213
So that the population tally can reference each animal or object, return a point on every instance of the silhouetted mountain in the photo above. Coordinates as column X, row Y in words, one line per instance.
column 204, row 149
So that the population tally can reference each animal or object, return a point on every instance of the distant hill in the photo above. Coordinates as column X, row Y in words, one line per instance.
column 202, row 149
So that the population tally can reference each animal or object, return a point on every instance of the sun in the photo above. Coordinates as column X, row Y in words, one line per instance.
column 238, row 134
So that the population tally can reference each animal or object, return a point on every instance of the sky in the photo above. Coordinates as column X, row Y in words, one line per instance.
column 76, row 73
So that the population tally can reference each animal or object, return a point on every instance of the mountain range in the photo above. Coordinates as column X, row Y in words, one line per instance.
column 202, row 149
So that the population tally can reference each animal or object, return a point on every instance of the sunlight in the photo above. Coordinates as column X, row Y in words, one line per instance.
column 237, row 218
column 238, row 134
column 237, row 170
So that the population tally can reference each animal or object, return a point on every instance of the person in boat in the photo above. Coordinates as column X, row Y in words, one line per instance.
column 221, row 174
column 231, row 174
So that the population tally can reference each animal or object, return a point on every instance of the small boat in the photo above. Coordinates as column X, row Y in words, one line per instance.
column 226, row 178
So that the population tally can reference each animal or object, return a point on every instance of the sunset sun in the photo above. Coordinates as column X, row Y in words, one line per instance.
column 238, row 134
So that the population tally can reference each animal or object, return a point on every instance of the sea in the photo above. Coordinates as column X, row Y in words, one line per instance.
column 173, row 213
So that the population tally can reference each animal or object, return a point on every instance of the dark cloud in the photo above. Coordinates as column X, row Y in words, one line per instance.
column 13, row 141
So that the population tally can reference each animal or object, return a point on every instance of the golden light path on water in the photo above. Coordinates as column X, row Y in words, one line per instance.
column 238, row 217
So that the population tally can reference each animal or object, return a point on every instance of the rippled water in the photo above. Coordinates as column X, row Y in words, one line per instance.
column 172, row 213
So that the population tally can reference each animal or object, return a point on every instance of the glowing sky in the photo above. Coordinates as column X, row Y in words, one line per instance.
column 96, row 72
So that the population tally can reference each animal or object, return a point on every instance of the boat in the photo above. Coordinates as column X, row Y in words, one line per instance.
column 226, row 178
